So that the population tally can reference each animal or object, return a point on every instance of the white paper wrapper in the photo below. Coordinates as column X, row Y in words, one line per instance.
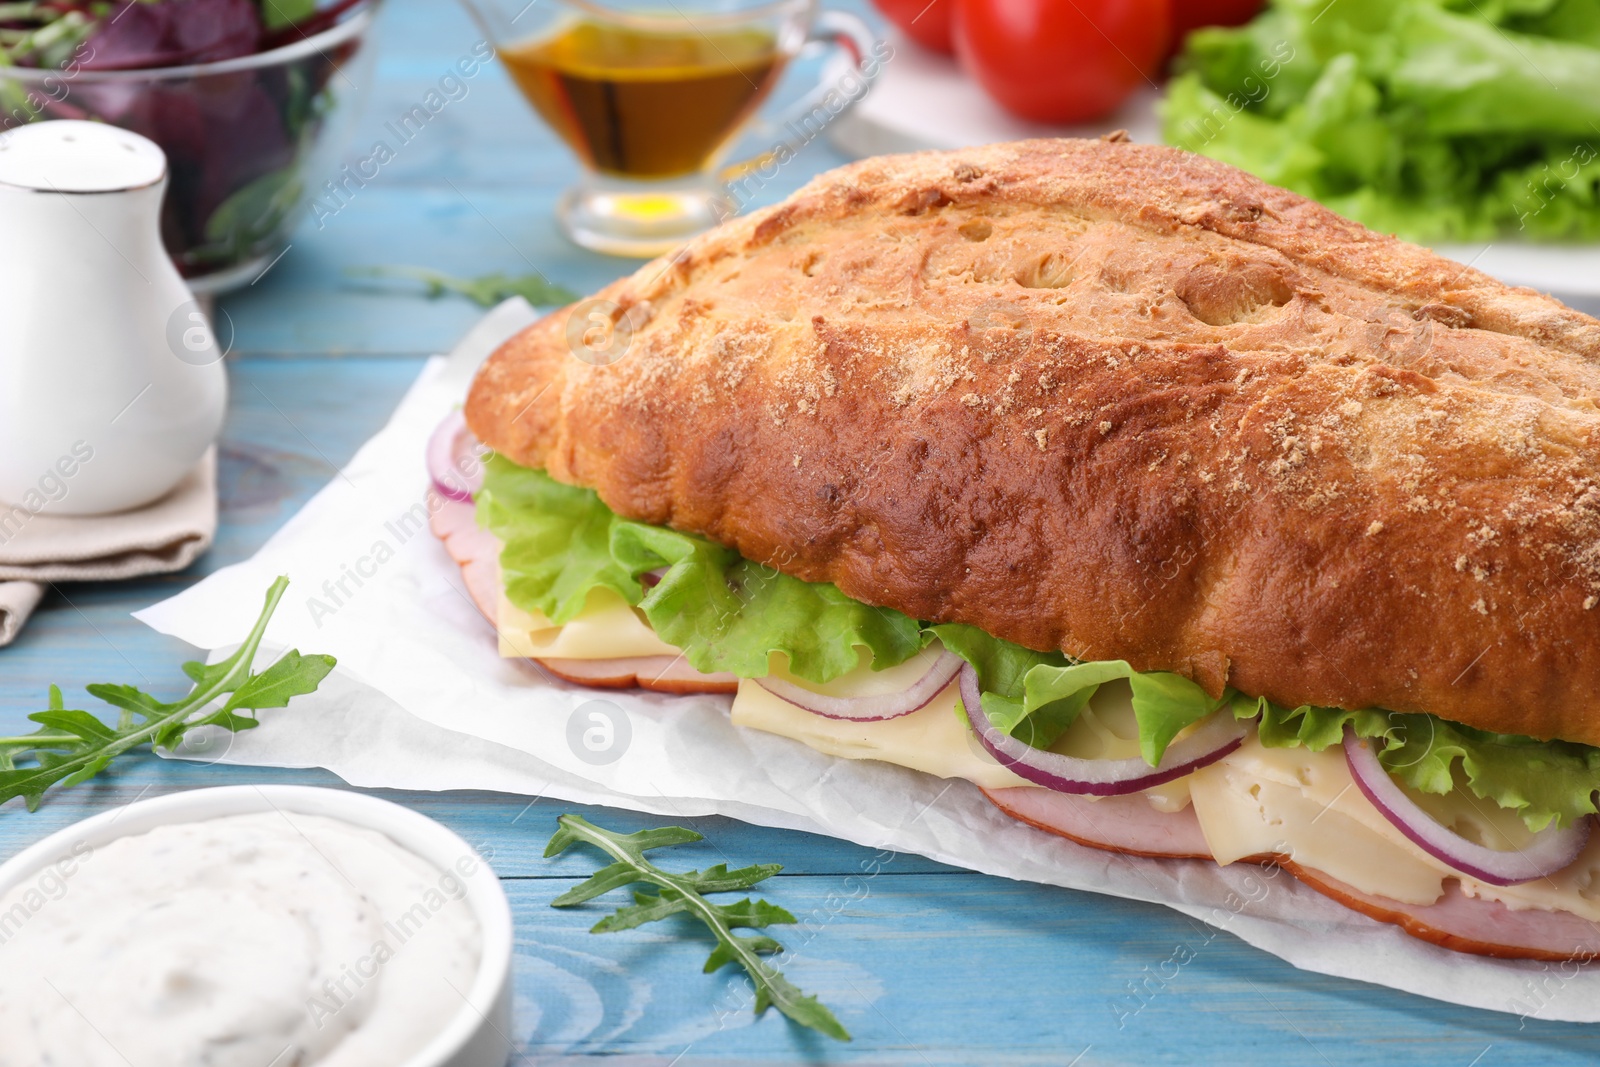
column 422, row 700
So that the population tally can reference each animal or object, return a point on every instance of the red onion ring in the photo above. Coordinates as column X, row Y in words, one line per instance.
column 1550, row 850
column 1216, row 736
column 875, row 708
column 453, row 459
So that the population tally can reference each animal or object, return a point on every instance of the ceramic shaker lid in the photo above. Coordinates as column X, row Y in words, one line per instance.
column 68, row 156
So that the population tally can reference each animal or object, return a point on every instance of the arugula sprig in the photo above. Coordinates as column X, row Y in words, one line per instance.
column 73, row 746
column 685, row 893
column 485, row 291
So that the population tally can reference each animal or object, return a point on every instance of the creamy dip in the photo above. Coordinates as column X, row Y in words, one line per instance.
column 263, row 940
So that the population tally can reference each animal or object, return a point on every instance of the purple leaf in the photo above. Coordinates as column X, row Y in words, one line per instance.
column 131, row 35
column 209, row 30
column 135, row 35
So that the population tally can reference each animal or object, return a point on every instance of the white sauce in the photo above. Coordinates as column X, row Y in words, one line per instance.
column 264, row 940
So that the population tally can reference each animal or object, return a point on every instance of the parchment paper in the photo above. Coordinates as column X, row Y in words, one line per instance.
column 422, row 700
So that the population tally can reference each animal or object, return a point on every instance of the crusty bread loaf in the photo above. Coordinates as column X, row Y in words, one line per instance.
column 1119, row 400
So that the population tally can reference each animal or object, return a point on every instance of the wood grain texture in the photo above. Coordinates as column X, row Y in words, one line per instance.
column 947, row 967
column 1117, row 400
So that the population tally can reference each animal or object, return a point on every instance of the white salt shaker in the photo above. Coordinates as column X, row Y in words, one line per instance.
column 111, row 381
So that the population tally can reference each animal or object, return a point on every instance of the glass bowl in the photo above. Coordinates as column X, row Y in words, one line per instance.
column 246, row 139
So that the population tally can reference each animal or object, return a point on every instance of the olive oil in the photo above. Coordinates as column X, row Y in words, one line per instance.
column 645, row 103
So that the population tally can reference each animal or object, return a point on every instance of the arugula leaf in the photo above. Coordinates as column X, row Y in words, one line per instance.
column 486, row 290
column 74, row 746
column 685, row 894
column 253, row 212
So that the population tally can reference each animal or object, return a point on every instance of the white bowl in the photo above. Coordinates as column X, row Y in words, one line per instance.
column 476, row 1036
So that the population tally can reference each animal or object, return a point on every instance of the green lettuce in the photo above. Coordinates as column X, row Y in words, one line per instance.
column 1035, row 696
column 730, row 614
column 557, row 541
column 725, row 612
column 1543, row 781
column 1434, row 119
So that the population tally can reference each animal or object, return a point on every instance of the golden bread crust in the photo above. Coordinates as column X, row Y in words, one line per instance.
column 1119, row 400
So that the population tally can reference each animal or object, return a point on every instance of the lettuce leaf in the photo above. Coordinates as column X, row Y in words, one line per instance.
column 556, row 538
column 725, row 612
column 1003, row 669
column 1543, row 781
column 730, row 614
column 1035, row 696
column 1434, row 119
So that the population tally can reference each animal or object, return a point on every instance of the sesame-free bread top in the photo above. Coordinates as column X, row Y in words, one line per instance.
column 1119, row 400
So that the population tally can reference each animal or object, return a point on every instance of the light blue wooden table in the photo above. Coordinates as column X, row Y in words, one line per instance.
column 925, row 964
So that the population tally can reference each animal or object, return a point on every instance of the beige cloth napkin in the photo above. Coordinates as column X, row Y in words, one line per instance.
column 37, row 549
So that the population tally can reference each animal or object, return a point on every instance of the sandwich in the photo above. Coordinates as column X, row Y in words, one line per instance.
column 1181, row 516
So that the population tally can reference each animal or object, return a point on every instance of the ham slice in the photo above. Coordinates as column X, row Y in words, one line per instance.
column 477, row 551
column 662, row 674
column 1468, row 924
column 1128, row 824
column 1117, row 824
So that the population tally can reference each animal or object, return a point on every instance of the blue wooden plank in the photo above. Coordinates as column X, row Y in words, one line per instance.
column 309, row 303
column 953, row 968
column 510, row 832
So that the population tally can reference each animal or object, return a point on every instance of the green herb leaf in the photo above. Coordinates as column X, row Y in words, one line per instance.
column 683, row 893
column 485, row 291
column 73, row 746
column 291, row 676
column 646, row 908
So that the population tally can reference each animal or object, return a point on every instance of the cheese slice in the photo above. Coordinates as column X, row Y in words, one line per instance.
column 931, row 739
column 1302, row 804
column 936, row 738
column 608, row 627
column 1306, row 805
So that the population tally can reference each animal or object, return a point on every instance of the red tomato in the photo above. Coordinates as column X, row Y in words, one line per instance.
column 1192, row 14
column 926, row 22
column 1062, row 60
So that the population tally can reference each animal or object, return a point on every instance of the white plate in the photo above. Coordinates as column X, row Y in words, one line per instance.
column 922, row 100
column 477, row 1035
